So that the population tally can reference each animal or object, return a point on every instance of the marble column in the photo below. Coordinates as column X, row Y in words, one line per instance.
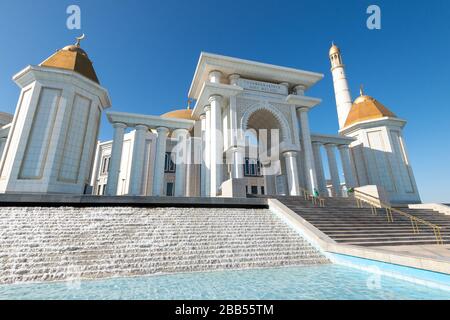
column 116, row 157
column 193, row 174
column 334, row 172
column 216, row 144
column 310, row 174
column 292, row 173
column 137, row 163
column 237, row 169
column 158, row 176
column 350, row 181
column 207, row 151
column 181, row 135
column 269, row 179
column 203, row 162
column 320, row 175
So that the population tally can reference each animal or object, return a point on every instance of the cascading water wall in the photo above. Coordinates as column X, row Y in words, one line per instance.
column 67, row 243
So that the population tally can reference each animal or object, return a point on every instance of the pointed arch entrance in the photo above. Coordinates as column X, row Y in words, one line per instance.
column 265, row 130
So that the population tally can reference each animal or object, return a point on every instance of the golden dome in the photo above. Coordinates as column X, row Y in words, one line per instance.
column 334, row 49
column 179, row 114
column 367, row 108
column 73, row 58
column 363, row 98
column 75, row 48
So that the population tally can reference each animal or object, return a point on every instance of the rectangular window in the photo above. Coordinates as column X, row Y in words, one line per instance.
column 169, row 191
column 169, row 165
column 252, row 168
column 105, row 164
column 246, row 167
column 263, row 191
column 254, row 189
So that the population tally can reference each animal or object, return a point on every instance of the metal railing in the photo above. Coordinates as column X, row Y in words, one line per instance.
column 314, row 199
column 375, row 203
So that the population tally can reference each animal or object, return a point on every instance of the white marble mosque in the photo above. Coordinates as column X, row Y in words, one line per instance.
column 247, row 132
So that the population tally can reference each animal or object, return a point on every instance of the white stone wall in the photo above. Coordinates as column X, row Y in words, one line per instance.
column 379, row 158
column 50, row 148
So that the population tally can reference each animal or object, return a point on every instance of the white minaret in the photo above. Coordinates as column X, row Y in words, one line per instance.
column 341, row 90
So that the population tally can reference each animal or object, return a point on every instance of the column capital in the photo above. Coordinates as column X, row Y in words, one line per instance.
column 300, row 89
column 215, row 76
column 202, row 116
column 329, row 145
column 207, row 108
column 234, row 78
column 141, row 127
column 343, row 146
column 162, row 130
column 302, row 109
column 317, row 143
column 181, row 132
column 215, row 98
column 119, row 125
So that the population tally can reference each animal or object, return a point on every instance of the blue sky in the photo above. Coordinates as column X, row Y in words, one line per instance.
column 145, row 53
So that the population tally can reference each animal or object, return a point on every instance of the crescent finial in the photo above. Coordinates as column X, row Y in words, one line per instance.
column 79, row 39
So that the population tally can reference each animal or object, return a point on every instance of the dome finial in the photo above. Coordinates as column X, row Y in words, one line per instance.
column 334, row 49
column 189, row 104
column 79, row 39
column 361, row 90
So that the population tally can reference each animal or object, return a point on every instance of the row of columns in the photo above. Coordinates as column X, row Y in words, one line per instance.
column 212, row 167
column 212, row 159
column 333, row 167
column 137, row 166
column 212, row 142
column 308, row 156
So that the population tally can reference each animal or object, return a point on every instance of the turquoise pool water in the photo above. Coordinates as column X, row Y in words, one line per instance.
column 321, row 282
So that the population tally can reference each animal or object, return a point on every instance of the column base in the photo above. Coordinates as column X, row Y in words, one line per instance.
column 233, row 188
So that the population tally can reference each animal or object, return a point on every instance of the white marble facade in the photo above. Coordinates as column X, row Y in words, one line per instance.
column 236, row 100
column 51, row 144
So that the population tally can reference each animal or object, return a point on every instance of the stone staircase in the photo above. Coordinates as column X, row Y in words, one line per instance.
column 67, row 243
column 344, row 222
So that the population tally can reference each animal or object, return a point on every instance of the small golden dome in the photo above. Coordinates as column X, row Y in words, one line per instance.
column 334, row 49
column 363, row 98
column 74, row 48
column 73, row 58
column 179, row 114
column 367, row 108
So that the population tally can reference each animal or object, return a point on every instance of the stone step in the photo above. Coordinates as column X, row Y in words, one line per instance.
column 363, row 238
column 345, row 223
column 393, row 243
